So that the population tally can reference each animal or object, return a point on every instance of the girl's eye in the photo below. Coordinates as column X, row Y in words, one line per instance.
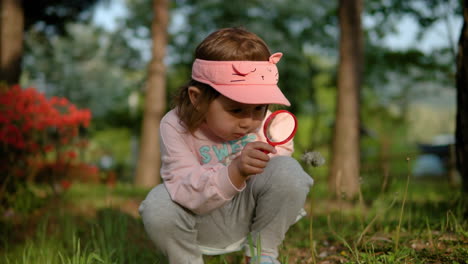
column 235, row 111
column 260, row 108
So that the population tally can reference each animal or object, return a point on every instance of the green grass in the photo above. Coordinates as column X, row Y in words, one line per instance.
column 88, row 224
column 98, row 224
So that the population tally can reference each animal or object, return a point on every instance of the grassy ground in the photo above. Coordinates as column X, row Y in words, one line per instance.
column 99, row 224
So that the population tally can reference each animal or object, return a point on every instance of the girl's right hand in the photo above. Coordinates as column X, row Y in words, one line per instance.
column 252, row 160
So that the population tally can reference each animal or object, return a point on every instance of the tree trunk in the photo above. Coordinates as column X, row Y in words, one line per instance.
column 11, row 40
column 461, row 133
column 344, row 172
column 149, row 161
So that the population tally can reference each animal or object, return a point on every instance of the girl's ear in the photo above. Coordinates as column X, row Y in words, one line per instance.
column 194, row 94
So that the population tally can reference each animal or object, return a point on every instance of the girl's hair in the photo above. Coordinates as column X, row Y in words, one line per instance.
column 228, row 44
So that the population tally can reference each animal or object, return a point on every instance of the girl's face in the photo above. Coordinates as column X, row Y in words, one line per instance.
column 230, row 120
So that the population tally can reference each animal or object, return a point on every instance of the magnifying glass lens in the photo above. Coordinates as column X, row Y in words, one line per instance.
column 280, row 127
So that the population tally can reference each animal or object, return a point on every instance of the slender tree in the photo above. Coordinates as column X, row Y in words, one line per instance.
column 461, row 133
column 344, row 173
column 155, row 102
column 11, row 40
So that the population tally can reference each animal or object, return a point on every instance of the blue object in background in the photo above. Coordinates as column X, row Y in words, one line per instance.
column 428, row 165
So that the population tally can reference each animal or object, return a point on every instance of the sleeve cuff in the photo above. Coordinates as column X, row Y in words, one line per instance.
column 226, row 187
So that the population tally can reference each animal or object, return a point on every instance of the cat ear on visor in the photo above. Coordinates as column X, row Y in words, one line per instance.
column 275, row 58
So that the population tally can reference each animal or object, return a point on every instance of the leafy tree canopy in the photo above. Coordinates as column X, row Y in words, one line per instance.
column 306, row 32
column 91, row 67
column 303, row 30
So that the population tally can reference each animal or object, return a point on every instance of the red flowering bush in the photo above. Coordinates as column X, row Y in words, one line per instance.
column 26, row 115
column 33, row 126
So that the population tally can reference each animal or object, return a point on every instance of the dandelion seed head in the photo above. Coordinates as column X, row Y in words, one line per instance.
column 313, row 158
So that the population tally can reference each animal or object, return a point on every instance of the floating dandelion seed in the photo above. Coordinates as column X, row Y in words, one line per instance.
column 313, row 158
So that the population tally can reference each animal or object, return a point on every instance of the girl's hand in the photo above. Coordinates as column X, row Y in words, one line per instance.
column 252, row 160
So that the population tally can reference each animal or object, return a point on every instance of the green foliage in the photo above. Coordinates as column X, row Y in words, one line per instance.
column 118, row 144
column 96, row 194
column 426, row 13
column 299, row 29
column 91, row 67
column 403, row 77
column 25, row 200
column 290, row 28
column 114, row 142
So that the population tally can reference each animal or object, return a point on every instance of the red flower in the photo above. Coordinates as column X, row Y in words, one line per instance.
column 31, row 124
column 48, row 148
column 71, row 154
column 66, row 184
column 93, row 169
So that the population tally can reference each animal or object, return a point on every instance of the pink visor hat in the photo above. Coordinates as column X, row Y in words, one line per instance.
column 248, row 82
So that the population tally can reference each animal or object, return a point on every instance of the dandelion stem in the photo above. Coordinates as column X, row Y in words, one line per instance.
column 397, row 236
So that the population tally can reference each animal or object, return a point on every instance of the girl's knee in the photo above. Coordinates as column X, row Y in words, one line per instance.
column 160, row 214
column 287, row 171
column 156, row 216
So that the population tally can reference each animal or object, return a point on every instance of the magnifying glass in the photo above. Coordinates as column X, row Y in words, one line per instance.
column 280, row 127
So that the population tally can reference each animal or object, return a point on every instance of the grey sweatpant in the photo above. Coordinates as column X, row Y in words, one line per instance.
column 268, row 205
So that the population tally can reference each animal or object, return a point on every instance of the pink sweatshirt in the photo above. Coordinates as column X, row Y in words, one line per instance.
column 194, row 167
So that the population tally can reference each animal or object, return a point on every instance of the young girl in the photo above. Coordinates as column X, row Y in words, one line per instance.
column 222, row 181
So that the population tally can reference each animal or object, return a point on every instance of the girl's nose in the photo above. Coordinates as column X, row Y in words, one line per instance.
column 245, row 122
